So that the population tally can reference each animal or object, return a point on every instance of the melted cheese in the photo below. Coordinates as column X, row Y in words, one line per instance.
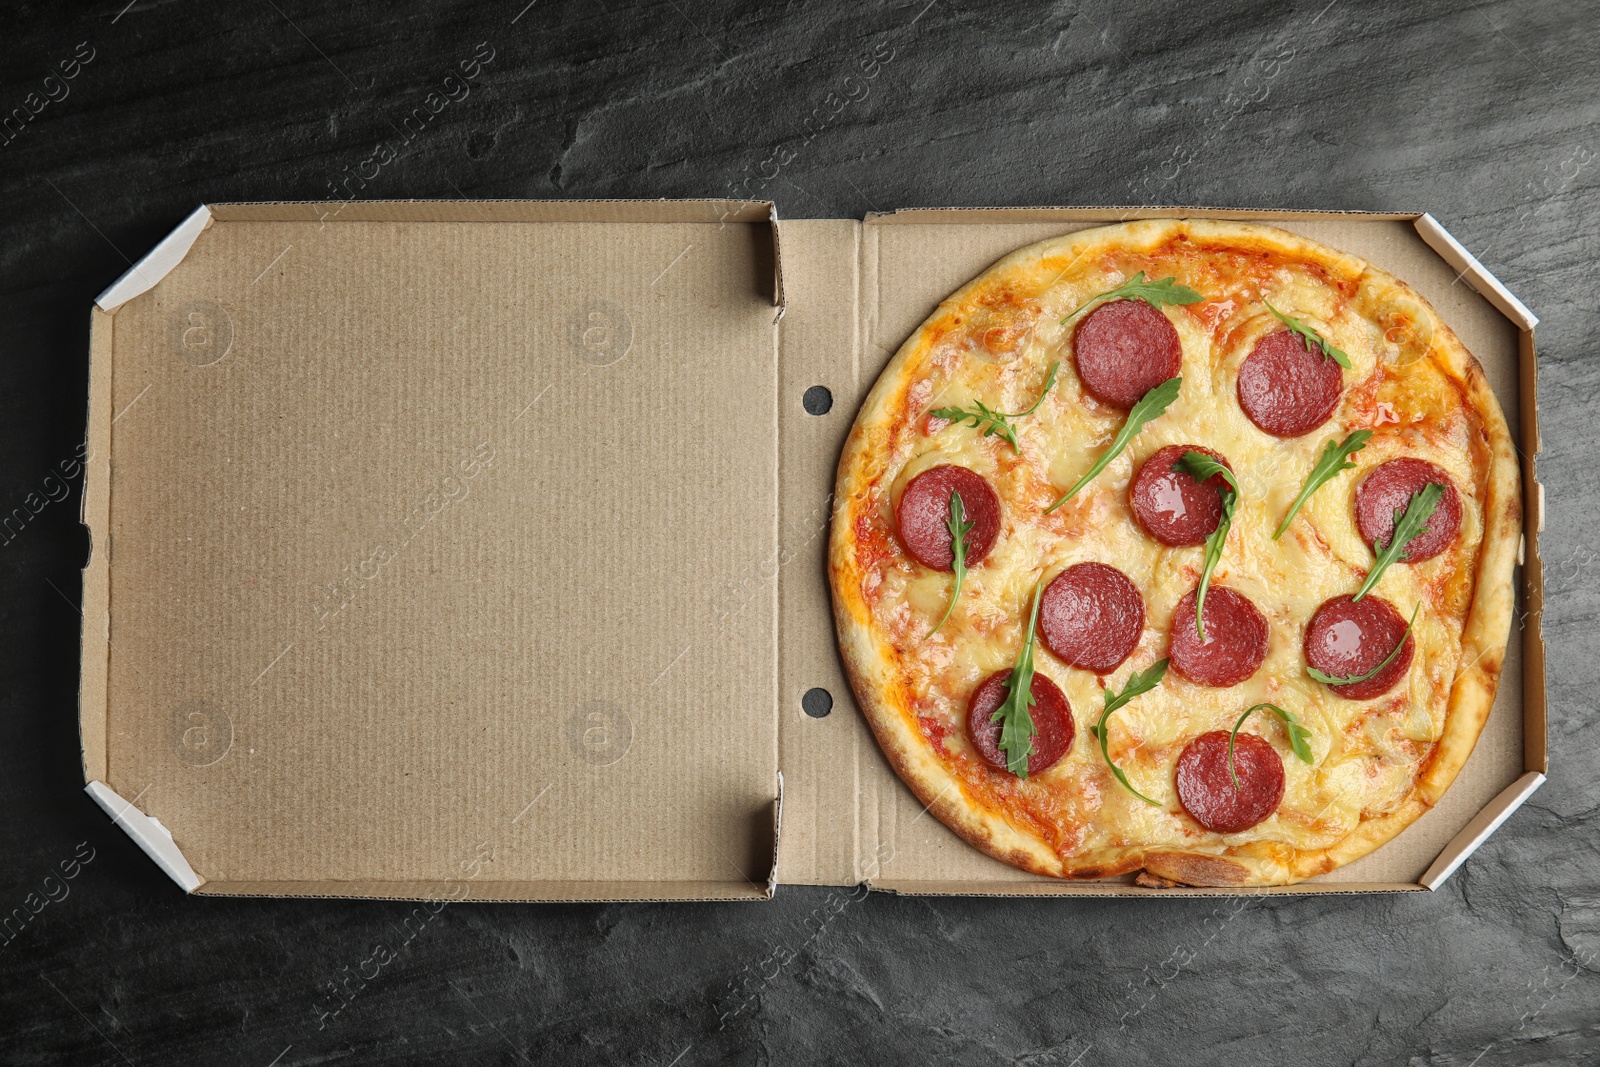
column 1367, row 754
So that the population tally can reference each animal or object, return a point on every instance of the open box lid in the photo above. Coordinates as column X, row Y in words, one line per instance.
column 410, row 523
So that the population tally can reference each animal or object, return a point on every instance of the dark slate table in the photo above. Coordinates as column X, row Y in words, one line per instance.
column 1484, row 113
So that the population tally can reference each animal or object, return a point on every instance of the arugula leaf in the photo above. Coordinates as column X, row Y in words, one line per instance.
column 1138, row 684
column 1016, row 722
column 1165, row 291
column 1150, row 406
column 1406, row 529
column 1335, row 460
column 1299, row 737
column 1311, row 337
column 959, row 529
column 980, row 414
column 1200, row 466
column 1328, row 679
column 997, row 423
column 1049, row 384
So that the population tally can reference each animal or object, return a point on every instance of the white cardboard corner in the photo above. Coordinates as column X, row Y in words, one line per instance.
column 143, row 275
column 148, row 834
column 1477, row 275
column 1476, row 832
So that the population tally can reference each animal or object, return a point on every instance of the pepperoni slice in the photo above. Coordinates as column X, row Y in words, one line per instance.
column 1235, row 644
column 1347, row 638
column 924, row 516
column 1206, row 790
column 1091, row 616
column 1052, row 717
column 1125, row 349
column 1286, row 388
column 1388, row 490
column 1170, row 505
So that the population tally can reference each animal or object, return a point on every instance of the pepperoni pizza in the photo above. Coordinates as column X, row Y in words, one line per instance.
column 1181, row 548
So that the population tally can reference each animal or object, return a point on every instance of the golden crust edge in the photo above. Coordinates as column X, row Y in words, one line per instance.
column 866, row 667
column 1486, row 632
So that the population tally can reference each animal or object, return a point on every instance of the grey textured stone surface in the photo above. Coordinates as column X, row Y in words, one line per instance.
column 1484, row 113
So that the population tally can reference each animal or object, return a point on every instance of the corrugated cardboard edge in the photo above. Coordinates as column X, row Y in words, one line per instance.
column 1476, row 832
column 663, row 209
column 95, row 513
column 1114, row 213
column 1121, row 890
column 1534, row 697
column 157, row 263
column 1535, row 726
column 440, row 893
column 151, row 837
column 484, row 892
column 148, row 834
column 778, row 298
column 497, row 211
column 777, row 839
column 95, row 636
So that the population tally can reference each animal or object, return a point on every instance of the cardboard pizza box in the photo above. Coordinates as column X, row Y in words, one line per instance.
column 476, row 550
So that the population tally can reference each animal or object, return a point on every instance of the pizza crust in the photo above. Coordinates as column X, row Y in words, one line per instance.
column 885, row 696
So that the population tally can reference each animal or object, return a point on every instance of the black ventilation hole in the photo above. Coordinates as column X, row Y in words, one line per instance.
column 817, row 703
column 818, row 401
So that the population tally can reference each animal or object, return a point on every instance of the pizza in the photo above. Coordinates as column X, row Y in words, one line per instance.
column 1180, row 549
